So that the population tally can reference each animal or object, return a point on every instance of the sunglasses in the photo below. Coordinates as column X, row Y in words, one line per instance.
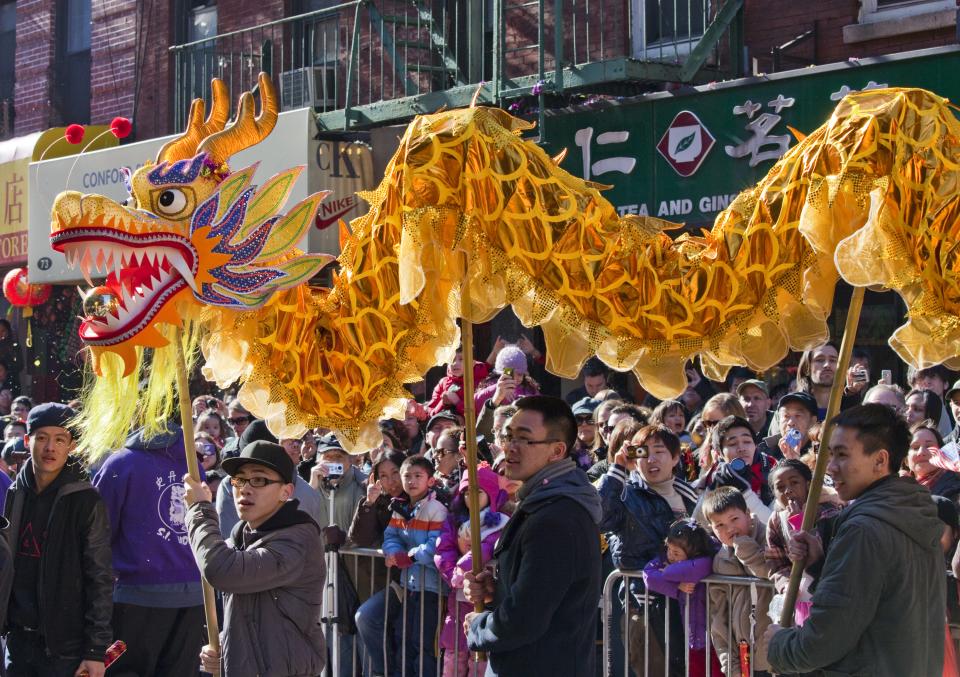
column 585, row 419
column 707, row 423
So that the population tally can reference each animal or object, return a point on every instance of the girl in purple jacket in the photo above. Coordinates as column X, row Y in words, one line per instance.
column 687, row 560
column 453, row 560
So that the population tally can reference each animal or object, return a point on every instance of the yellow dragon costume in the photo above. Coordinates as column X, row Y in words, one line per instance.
column 872, row 195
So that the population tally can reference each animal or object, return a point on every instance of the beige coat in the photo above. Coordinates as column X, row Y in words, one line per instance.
column 743, row 558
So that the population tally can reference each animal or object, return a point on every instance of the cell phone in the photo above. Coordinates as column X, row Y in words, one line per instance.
column 334, row 470
column 508, row 371
column 886, row 376
column 861, row 375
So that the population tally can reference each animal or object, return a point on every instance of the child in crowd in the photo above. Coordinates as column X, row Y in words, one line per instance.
column 448, row 393
column 212, row 423
column 743, row 467
column 409, row 543
column 688, row 559
column 511, row 375
column 453, row 559
column 790, row 481
column 740, row 611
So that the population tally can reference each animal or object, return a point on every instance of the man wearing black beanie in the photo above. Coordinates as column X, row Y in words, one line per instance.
column 59, row 610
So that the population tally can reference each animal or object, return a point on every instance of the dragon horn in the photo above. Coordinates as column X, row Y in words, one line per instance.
column 185, row 145
column 247, row 130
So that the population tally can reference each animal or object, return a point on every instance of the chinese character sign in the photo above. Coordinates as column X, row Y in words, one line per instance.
column 13, row 211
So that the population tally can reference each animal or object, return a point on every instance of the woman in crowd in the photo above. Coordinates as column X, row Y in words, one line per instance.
column 940, row 482
column 923, row 405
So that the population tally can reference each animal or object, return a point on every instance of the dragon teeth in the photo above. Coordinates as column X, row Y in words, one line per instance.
column 85, row 267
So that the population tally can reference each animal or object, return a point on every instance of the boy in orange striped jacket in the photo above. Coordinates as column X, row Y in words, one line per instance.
column 409, row 543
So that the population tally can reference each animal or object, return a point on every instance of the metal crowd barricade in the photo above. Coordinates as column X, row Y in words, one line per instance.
column 621, row 589
column 364, row 570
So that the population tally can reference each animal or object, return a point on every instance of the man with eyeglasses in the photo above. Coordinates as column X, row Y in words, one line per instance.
column 270, row 570
column 542, row 598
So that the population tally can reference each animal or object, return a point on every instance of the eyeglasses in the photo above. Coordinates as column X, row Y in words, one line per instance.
column 521, row 444
column 255, row 482
column 585, row 419
column 239, row 420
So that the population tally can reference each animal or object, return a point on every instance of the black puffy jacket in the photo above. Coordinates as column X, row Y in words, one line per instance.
column 75, row 586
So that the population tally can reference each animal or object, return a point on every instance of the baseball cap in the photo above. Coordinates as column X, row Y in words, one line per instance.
column 953, row 390
column 50, row 414
column 804, row 399
column 586, row 405
column 755, row 383
column 268, row 454
column 442, row 416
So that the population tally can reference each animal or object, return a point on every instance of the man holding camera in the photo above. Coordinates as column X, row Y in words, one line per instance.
column 339, row 482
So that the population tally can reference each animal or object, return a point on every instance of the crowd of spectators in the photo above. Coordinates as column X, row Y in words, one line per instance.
column 712, row 482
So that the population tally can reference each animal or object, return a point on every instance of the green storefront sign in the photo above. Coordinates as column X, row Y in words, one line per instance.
column 684, row 156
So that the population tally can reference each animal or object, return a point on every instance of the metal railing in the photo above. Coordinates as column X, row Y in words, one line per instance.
column 651, row 614
column 359, row 584
column 361, row 587
column 365, row 53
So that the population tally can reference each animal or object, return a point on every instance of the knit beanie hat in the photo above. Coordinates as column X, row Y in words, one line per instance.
column 511, row 357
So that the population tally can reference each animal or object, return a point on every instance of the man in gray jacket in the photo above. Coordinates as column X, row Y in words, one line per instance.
column 270, row 571
column 878, row 605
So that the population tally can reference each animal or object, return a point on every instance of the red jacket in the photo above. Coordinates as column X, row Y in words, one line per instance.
column 436, row 403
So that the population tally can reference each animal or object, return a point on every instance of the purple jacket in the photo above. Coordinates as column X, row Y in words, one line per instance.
column 665, row 578
column 142, row 487
column 447, row 559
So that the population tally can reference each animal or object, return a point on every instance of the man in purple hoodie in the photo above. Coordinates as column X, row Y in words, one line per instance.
column 157, row 598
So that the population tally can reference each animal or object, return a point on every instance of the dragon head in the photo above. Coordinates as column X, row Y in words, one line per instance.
column 192, row 233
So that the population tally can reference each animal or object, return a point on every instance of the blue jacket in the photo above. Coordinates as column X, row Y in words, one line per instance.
column 142, row 487
column 417, row 537
column 636, row 518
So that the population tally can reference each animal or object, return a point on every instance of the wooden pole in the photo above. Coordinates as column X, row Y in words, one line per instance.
column 833, row 408
column 193, row 468
column 470, row 423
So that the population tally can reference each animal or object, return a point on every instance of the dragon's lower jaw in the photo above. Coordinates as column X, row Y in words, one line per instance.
column 146, row 274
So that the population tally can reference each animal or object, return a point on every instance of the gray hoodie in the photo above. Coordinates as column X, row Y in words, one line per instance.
column 878, row 607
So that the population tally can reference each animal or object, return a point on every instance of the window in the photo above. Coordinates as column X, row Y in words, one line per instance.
column 203, row 23
column 668, row 29
column 885, row 18
column 73, row 61
column 198, row 64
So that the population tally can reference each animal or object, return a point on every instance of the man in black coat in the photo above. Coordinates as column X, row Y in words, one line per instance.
column 60, row 606
column 544, row 593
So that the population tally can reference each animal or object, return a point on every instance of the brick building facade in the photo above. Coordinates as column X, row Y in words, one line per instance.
column 131, row 68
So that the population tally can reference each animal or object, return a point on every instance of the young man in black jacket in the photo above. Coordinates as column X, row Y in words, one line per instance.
column 58, row 612
column 544, row 595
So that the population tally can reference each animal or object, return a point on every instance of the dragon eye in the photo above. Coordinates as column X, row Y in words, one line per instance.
column 171, row 201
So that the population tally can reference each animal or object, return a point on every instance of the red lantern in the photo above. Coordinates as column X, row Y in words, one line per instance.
column 20, row 293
